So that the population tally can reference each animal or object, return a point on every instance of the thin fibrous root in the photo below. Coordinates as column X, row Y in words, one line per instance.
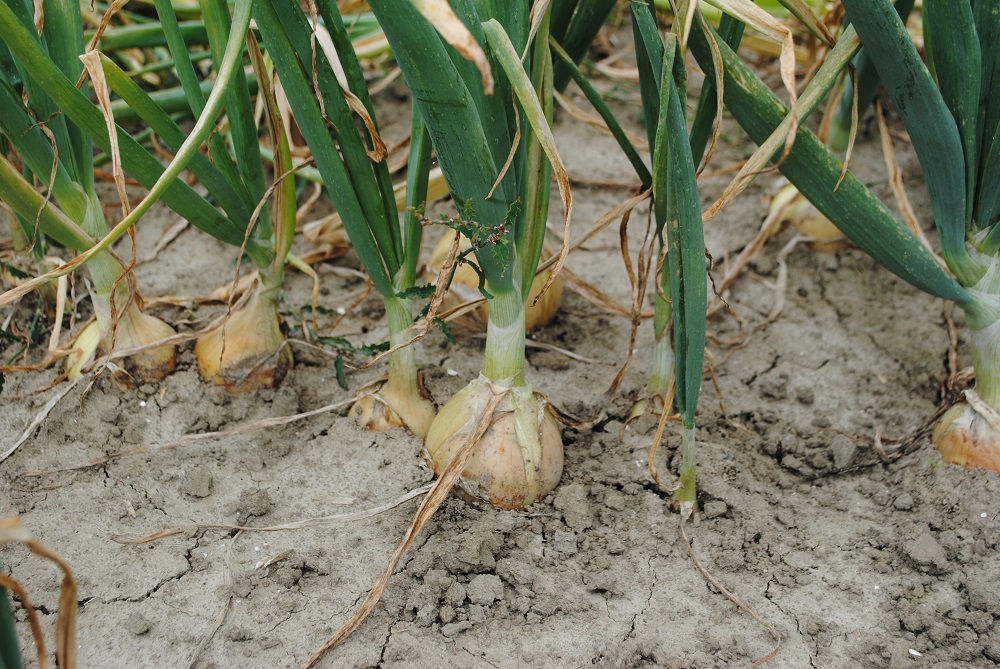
column 686, row 511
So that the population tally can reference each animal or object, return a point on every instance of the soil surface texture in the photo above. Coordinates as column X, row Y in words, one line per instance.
column 821, row 364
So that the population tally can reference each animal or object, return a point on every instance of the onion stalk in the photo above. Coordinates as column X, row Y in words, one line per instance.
column 503, row 195
column 353, row 167
column 464, row 287
column 61, row 157
column 398, row 399
column 660, row 386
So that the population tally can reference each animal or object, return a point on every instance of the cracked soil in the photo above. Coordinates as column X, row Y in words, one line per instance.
column 857, row 563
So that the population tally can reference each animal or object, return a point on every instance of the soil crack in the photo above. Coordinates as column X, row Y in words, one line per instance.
column 385, row 644
column 156, row 588
column 649, row 598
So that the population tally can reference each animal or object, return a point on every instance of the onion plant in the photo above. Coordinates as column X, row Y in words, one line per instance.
column 952, row 113
column 353, row 168
column 681, row 296
column 249, row 349
column 58, row 152
column 465, row 71
column 255, row 352
column 681, row 276
column 654, row 58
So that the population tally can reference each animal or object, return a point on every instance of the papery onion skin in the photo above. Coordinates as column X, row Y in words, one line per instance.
column 497, row 471
column 133, row 328
column 249, row 351
column 967, row 439
column 388, row 406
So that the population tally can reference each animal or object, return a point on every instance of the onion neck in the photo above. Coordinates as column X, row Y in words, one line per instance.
column 402, row 363
column 104, row 270
column 271, row 278
column 661, row 378
column 504, row 360
column 687, row 493
column 983, row 319
column 986, row 361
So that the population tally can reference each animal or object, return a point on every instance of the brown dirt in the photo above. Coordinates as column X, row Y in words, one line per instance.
column 857, row 563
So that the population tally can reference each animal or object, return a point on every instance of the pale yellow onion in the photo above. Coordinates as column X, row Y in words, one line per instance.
column 969, row 436
column 465, row 288
column 248, row 351
column 83, row 350
column 808, row 220
column 519, row 459
column 133, row 329
column 398, row 399
column 392, row 405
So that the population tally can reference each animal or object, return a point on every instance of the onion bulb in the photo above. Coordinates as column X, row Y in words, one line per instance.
column 389, row 404
column 134, row 328
column 465, row 288
column 249, row 350
column 518, row 460
column 801, row 213
column 83, row 351
column 968, row 434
